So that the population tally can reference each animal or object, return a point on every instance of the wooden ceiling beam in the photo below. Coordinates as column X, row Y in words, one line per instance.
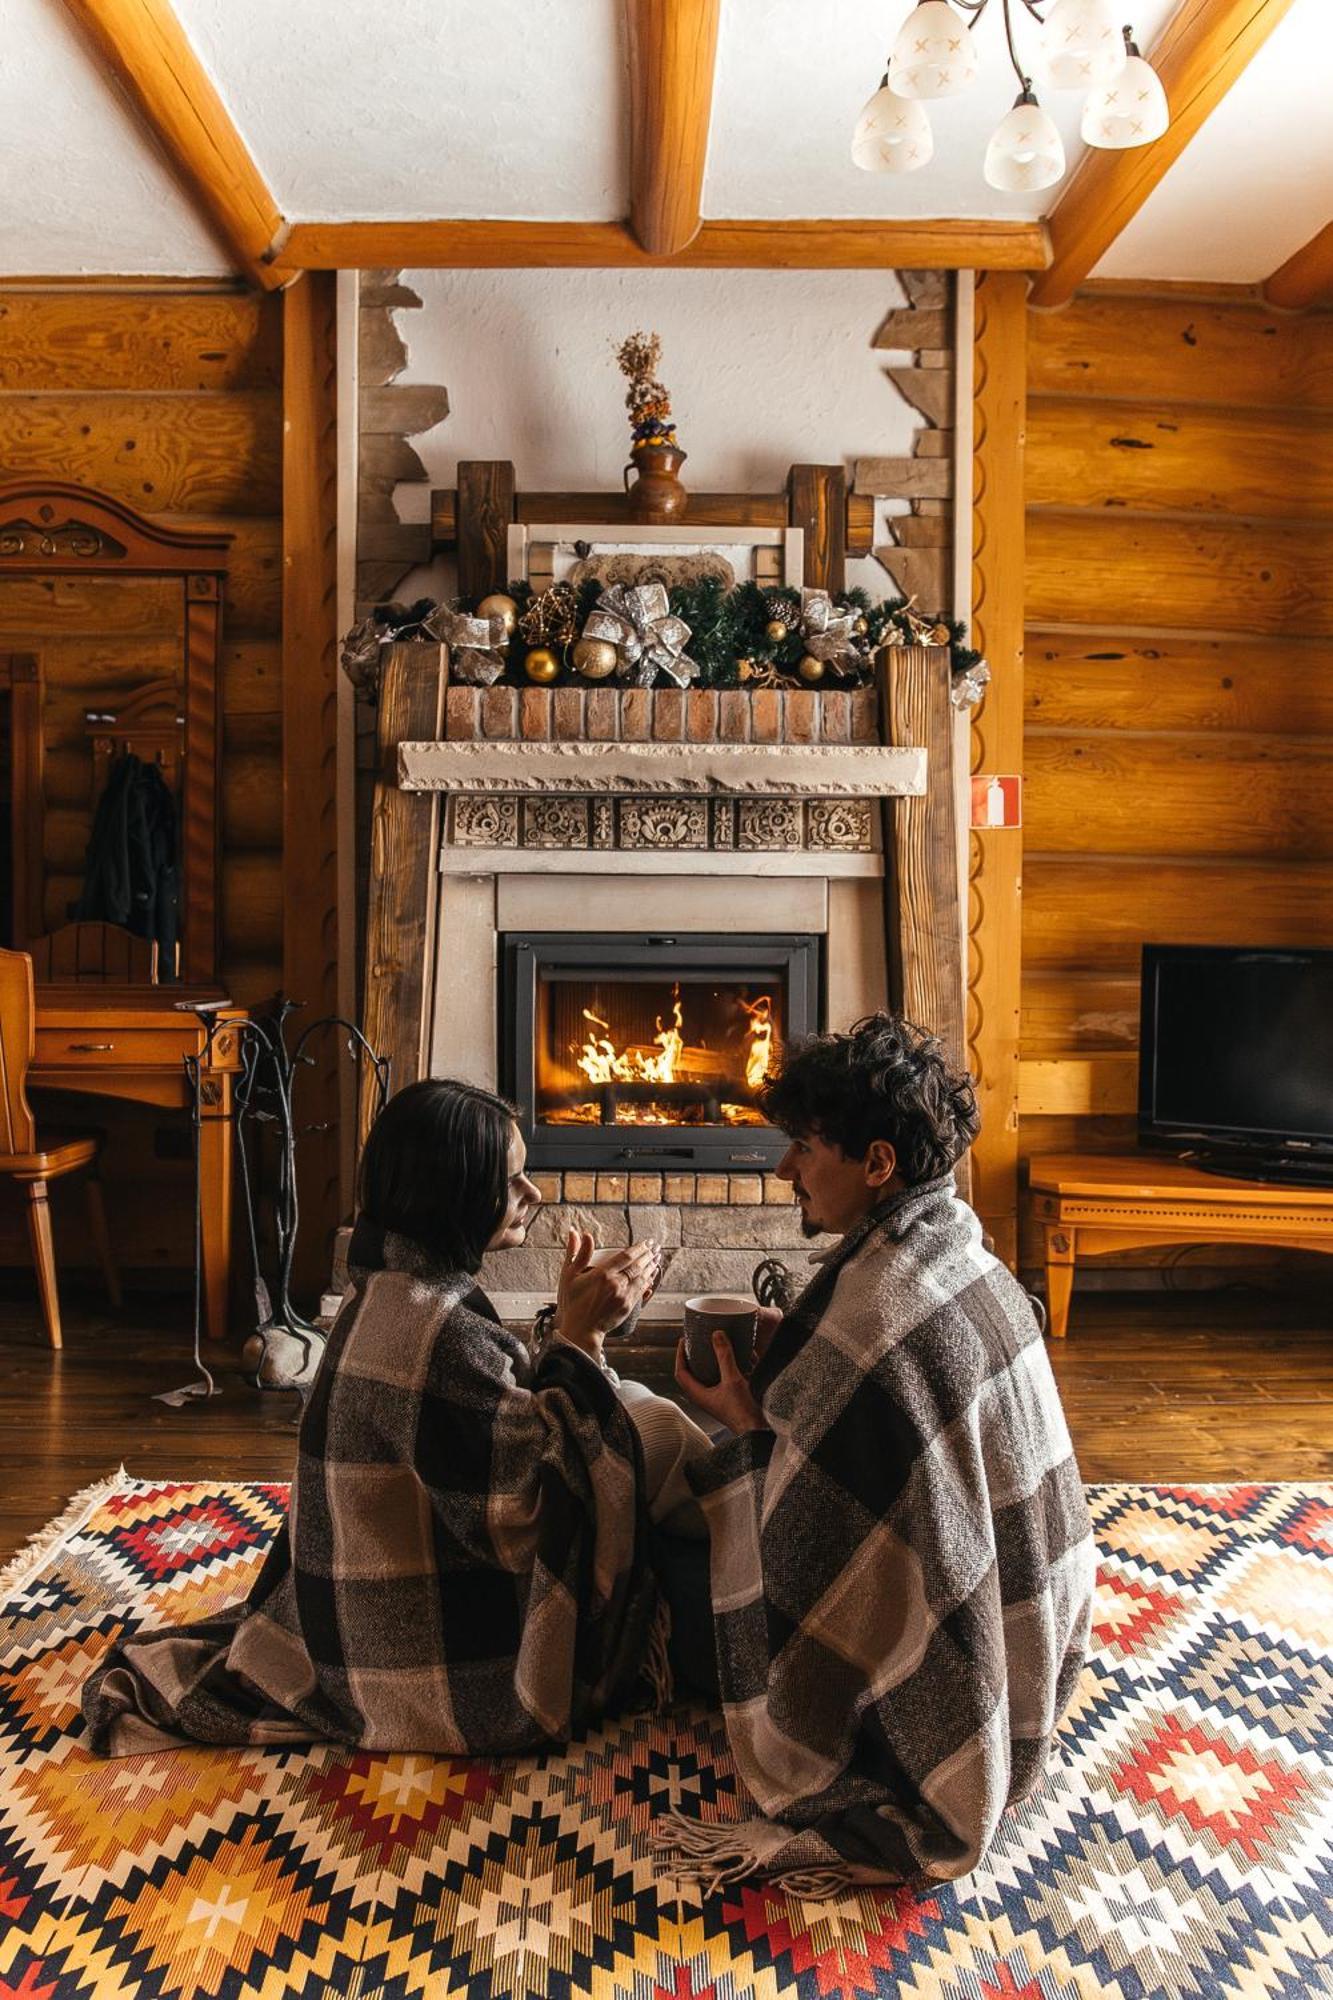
column 1306, row 279
column 1204, row 47
column 672, row 55
column 143, row 47
column 810, row 245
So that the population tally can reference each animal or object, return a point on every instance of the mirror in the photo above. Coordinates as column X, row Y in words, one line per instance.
column 115, row 621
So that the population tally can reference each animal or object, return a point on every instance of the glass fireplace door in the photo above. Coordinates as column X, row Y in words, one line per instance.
column 624, row 1050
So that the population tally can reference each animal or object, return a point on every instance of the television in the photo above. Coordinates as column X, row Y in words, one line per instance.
column 1236, row 1059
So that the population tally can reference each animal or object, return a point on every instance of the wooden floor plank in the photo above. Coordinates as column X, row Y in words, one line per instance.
column 1230, row 1385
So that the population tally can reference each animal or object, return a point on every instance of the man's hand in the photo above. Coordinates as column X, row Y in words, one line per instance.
column 732, row 1402
column 595, row 1297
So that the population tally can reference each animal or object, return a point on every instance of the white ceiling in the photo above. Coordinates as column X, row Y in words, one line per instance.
column 358, row 110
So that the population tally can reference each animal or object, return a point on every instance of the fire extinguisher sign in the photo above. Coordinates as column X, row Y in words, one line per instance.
column 996, row 802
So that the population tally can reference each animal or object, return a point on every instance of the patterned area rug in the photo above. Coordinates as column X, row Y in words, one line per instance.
column 1183, row 1847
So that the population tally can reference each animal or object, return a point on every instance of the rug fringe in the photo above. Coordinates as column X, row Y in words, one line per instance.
column 657, row 1666
column 713, row 1856
column 38, row 1550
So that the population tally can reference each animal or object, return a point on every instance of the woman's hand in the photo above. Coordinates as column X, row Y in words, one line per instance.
column 732, row 1402
column 592, row 1298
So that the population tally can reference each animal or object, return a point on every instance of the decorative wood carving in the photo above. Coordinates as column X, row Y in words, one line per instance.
column 68, row 521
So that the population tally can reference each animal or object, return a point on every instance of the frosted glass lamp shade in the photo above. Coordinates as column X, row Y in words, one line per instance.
column 892, row 135
column 1025, row 151
column 933, row 55
column 1130, row 110
column 1082, row 44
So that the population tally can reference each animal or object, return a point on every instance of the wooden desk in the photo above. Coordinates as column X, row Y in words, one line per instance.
column 1090, row 1204
column 131, row 1042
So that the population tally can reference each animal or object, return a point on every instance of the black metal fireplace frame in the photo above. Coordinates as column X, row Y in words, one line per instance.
column 645, row 1149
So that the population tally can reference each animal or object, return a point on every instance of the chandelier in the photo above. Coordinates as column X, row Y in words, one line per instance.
column 1081, row 46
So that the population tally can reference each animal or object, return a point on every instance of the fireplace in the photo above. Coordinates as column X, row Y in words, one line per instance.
column 626, row 1051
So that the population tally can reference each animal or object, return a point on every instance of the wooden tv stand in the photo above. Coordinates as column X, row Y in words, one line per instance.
column 1091, row 1204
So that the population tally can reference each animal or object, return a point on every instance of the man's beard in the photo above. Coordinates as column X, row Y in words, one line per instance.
column 809, row 1227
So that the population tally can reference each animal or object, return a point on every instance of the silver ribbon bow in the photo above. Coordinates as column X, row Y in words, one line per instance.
column 828, row 634
column 637, row 619
column 477, row 646
column 967, row 688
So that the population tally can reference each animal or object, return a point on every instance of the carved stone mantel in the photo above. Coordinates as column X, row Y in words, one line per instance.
column 791, row 770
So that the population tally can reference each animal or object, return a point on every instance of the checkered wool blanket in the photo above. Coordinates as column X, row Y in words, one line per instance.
column 902, row 1566
column 465, row 1568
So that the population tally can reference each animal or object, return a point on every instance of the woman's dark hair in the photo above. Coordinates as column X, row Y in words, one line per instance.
column 436, row 1168
column 884, row 1080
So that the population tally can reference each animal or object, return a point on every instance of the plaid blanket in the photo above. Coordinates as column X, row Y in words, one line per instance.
column 465, row 1565
column 902, row 1567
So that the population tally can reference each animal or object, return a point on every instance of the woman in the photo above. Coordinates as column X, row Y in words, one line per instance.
column 465, row 1566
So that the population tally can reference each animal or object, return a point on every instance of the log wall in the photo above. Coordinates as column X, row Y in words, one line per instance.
column 1178, row 736
column 171, row 400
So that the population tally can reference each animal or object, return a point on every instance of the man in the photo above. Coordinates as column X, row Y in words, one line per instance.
column 901, row 1554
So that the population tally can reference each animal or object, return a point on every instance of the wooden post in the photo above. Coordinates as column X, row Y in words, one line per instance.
column 817, row 500
column 924, row 933
column 485, row 511
column 310, row 745
column 404, row 873
column 996, row 858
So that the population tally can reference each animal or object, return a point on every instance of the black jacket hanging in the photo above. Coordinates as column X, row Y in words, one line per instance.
column 131, row 875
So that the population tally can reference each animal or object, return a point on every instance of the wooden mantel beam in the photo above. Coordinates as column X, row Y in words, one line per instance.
column 1306, row 279
column 672, row 52
column 808, row 245
column 144, row 48
column 1204, row 47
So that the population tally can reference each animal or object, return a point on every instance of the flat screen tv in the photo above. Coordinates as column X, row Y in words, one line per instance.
column 1236, row 1059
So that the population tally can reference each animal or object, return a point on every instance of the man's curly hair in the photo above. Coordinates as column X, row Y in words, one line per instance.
column 885, row 1080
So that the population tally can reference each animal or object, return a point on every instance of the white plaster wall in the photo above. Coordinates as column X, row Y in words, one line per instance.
column 765, row 368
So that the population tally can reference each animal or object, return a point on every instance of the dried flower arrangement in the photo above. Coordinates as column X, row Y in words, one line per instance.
column 647, row 400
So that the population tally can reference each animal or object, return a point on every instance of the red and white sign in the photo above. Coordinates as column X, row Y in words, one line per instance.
column 996, row 802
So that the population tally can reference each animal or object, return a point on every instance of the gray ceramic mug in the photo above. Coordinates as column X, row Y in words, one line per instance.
column 737, row 1317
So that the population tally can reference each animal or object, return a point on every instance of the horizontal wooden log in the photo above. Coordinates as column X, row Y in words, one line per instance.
column 1095, row 915
column 1213, row 576
column 65, row 841
column 1109, row 1133
column 67, row 778
column 1076, row 679
column 135, row 342
column 1077, row 1013
column 253, row 607
column 83, row 673
column 1079, row 1086
column 60, row 893
column 252, row 677
column 793, row 244
column 1142, row 794
column 1182, row 350
column 251, row 982
column 1164, row 455
column 905, row 478
column 183, row 453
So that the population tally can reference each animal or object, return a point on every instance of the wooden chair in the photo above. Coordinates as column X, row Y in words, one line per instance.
column 94, row 954
column 25, row 1159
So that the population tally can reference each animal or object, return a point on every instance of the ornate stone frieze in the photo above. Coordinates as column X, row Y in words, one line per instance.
column 755, row 770
column 842, row 824
column 603, row 823
column 724, row 822
column 555, row 822
column 769, row 823
column 665, row 823
column 485, row 822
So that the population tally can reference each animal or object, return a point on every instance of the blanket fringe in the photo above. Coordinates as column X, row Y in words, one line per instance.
column 657, row 1666
column 39, row 1549
column 712, row 1857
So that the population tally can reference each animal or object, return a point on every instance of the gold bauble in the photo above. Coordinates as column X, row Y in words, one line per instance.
column 861, row 627
column 541, row 665
column 811, row 669
column 497, row 605
column 775, row 631
column 594, row 659
column 744, row 670
column 939, row 635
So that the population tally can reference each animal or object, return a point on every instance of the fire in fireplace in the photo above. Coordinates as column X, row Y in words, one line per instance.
column 651, row 1051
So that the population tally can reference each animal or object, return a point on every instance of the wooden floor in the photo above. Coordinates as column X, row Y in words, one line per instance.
column 1187, row 1386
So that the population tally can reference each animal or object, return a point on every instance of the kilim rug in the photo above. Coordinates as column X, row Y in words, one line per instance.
column 1183, row 1846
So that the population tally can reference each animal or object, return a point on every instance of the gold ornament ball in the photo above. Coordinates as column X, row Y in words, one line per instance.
column 744, row 670
column 541, row 665
column 811, row 669
column 861, row 627
column 939, row 635
column 775, row 631
column 594, row 659
column 497, row 605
